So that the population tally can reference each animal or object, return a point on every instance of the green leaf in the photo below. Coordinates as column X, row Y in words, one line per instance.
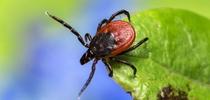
column 174, row 62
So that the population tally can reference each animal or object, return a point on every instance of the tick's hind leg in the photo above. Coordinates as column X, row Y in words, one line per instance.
column 126, row 63
column 89, row 79
column 101, row 23
column 119, row 13
column 108, row 67
column 135, row 46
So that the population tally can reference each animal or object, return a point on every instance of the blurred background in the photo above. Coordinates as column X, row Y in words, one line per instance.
column 39, row 58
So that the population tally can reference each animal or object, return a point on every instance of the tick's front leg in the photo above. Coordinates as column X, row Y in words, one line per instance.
column 69, row 27
column 89, row 78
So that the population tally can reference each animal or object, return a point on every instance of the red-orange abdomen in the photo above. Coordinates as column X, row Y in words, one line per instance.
column 123, row 33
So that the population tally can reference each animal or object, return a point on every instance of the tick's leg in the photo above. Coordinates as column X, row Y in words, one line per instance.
column 129, row 92
column 108, row 67
column 88, row 37
column 90, row 78
column 126, row 63
column 119, row 13
column 135, row 46
column 101, row 23
column 69, row 27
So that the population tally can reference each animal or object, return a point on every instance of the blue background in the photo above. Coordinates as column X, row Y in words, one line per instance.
column 39, row 58
column 51, row 68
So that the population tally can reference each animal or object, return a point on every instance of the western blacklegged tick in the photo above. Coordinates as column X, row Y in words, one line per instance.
column 113, row 38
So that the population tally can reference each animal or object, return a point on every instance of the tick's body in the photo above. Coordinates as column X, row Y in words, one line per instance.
column 123, row 34
column 113, row 38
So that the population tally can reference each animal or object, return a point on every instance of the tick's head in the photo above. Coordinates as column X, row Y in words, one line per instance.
column 100, row 46
column 87, row 56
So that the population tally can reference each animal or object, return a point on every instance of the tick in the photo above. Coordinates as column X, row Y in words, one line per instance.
column 112, row 39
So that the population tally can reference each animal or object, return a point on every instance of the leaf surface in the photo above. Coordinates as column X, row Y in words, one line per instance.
column 176, row 56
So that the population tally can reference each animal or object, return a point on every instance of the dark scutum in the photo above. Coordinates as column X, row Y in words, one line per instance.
column 102, row 44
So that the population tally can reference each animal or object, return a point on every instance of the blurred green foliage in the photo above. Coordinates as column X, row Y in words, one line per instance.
column 199, row 6
column 176, row 54
column 16, row 14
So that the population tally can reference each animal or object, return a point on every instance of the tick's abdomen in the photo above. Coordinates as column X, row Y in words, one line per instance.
column 123, row 33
